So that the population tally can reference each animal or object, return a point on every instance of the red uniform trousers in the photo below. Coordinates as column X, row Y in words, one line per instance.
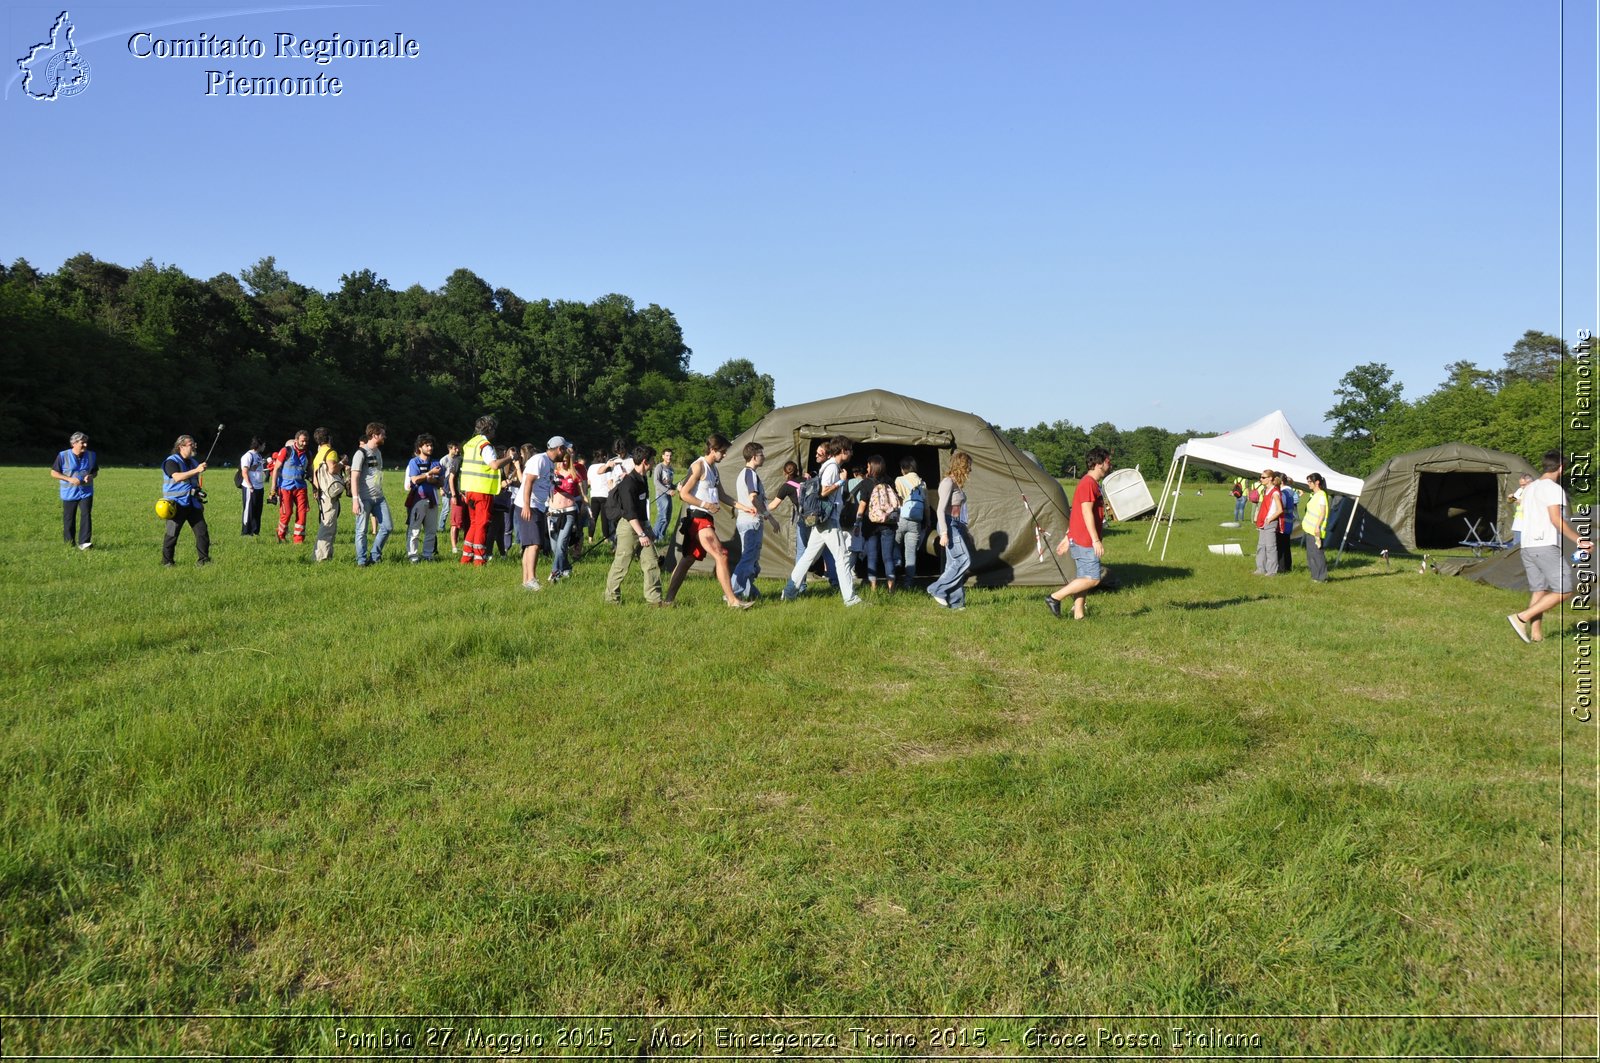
column 475, row 550
column 292, row 498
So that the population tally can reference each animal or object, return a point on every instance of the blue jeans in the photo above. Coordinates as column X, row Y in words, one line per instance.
column 1238, row 508
column 951, row 584
column 908, row 536
column 562, row 523
column 663, row 513
column 371, row 506
column 749, row 566
column 880, row 551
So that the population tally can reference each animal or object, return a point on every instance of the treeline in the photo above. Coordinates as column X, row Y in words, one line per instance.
column 135, row 356
column 1060, row 448
column 1515, row 408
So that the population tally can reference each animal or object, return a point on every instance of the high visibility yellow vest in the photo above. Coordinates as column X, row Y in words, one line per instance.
column 476, row 476
column 1315, row 522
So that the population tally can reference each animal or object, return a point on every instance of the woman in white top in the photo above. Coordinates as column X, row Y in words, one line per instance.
column 701, row 492
column 252, row 479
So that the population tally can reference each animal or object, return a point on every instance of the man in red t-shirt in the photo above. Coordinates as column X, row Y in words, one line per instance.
column 1084, row 527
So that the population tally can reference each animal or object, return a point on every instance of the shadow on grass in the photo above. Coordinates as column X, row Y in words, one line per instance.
column 1125, row 576
column 1223, row 603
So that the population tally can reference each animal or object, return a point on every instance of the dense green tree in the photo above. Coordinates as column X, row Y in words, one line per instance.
column 1537, row 356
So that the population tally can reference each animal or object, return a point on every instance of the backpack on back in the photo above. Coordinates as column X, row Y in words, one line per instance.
column 883, row 505
column 916, row 506
column 813, row 507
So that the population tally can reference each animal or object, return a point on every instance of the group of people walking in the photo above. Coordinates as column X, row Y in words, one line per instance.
column 552, row 503
column 485, row 495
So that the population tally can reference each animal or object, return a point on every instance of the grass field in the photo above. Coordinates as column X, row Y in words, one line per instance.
column 245, row 800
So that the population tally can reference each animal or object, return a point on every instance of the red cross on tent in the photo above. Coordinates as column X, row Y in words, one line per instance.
column 1276, row 449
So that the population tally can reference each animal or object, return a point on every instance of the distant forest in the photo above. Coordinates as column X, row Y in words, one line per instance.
column 135, row 356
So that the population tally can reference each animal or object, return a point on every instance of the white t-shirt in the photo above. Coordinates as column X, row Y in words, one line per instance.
column 1537, row 529
column 541, row 480
column 254, row 468
column 599, row 481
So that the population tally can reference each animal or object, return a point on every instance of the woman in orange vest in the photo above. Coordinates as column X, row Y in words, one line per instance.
column 1269, row 516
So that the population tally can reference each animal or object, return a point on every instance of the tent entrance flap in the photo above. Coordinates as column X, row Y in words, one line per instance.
column 1448, row 501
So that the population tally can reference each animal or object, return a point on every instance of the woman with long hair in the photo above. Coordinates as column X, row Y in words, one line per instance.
column 566, row 513
column 701, row 492
column 878, row 504
column 949, row 590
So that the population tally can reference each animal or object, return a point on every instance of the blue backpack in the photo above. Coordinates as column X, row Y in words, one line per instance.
column 916, row 504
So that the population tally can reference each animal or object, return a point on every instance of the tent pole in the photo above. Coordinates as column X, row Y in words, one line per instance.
column 1349, row 522
column 1173, row 515
column 1150, row 539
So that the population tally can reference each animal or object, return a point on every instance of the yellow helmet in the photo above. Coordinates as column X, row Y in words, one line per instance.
column 166, row 509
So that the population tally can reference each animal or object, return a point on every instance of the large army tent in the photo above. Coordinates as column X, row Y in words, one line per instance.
column 1268, row 443
column 1431, row 499
column 881, row 422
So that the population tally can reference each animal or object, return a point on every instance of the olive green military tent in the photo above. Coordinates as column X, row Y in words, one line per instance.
column 1432, row 499
column 881, row 422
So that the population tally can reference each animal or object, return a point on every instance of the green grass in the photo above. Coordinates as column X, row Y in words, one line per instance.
column 269, row 788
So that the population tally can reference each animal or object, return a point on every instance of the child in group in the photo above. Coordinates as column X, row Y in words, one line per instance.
column 950, row 589
column 701, row 493
column 366, row 494
column 633, row 531
column 878, row 514
column 330, row 487
column 913, row 494
column 828, row 535
column 566, row 513
column 754, row 511
column 449, row 468
column 423, row 477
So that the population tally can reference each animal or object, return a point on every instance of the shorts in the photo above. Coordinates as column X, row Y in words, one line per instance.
column 692, row 523
column 1547, row 570
column 535, row 532
column 1083, row 559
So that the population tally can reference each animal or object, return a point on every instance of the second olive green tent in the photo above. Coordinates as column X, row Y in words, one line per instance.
column 1434, row 499
column 1005, row 483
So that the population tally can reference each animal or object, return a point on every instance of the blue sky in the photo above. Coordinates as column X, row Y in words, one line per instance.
column 1145, row 213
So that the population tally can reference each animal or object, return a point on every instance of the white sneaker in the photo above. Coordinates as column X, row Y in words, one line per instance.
column 84, row 546
column 533, row 585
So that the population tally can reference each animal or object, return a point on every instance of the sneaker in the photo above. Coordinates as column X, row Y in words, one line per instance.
column 1055, row 605
column 202, row 563
column 939, row 600
column 532, row 585
column 362, row 562
column 169, row 564
column 851, row 603
column 740, row 605
column 958, row 608
column 1519, row 626
column 84, row 546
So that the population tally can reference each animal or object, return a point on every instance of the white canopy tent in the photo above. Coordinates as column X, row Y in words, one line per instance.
column 1270, row 443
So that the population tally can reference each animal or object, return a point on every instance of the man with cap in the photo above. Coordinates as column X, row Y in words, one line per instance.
column 537, row 483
